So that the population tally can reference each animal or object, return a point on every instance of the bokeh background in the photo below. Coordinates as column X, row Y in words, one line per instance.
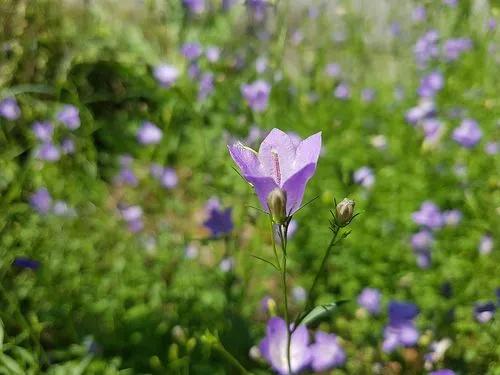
column 114, row 121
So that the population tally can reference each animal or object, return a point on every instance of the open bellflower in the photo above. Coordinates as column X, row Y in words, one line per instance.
column 279, row 164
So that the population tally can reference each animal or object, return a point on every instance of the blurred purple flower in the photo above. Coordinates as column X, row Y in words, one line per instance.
column 492, row 148
column 219, row 221
column 194, row 70
column 133, row 217
column 443, row 371
column 68, row 146
column 468, row 133
column 261, row 64
column 453, row 48
column 326, row 352
column 423, row 258
column 194, row 6
column 48, row 152
column 432, row 129
column 212, row 53
column 279, row 164
column 257, row 8
column 364, row 176
column 191, row 50
column 9, row 109
column 367, row 95
column 426, row 48
column 491, row 24
column 486, row 244
column 299, row 294
column 149, row 133
column 127, row 177
column 419, row 14
column 169, row 178
column 69, row 116
column 370, row 299
column 342, row 91
column 41, row 201
column 401, row 330
column 333, row 70
column 166, row 75
column 422, row 240
column 43, row 131
column 62, row 208
column 257, row 95
column 429, row 215
column 430, row 84
column 274, row 347
column 395, row 29
column 484, row 312
column 452, row 217
column 23, row 262
column 423, row 110
column 450, row 3
column 206, row 86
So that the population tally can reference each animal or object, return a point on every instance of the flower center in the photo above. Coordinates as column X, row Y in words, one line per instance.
column 276, row 162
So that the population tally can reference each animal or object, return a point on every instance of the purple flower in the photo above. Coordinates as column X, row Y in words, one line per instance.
column 133, row 216
column 367, row 95
column 219, row 221
column 206, row 86
column 226, row 264
column 191, row 51
column 333, row 70
column 443, row 371
column 261, row 64
column 274, row 347
column 364, row 176
column 23, row 262
column 9, row 109
column 68, row 146
column 452, row 217
column 486, row 244
column 430, row 84
column 258, row 8
column 279, row 164
column 169, row 178
column 491, row 24
column 326, row 352
column 41, row 201
column 432, row 129
column 419, row 14
column 401, row 330
column 43, row 131
column 48, row 152
column 166, row 75
column 491, row 148
column 423, row 258
column 194, row 6
column 127, row 177
column 423, row 110
column 342, row 91
column 149, row 134
column 257, row 95
column 426, row 48
column 450, row 3
column 429, row 215
column 468, row 133
column 422, row 240
column 69, row 116
column 370, row 299
column 484, row 312
column 453, row 48
column 212, row 53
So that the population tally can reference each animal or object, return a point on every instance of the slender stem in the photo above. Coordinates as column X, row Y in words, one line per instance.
column 310, row 293
column 230, row 358
column 273, row 240
column 283, row 229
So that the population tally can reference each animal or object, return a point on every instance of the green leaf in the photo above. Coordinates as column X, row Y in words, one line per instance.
column 10, row 364
column 320, row 312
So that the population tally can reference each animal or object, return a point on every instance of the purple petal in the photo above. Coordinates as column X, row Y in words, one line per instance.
column 295, row 187
column 277, row 154
column 308, row 151
column 246, row 159
column 263, row 186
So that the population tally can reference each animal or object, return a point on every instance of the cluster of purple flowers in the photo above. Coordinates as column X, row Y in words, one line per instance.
column 370, row 299
column 167, row 176
column 9, row 109
column 42, row 202
column 325, row 353
column 133, row 216
column 401, row 330
column 256, row 95
column 126, row 175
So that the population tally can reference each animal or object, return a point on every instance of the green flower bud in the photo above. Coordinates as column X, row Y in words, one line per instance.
column 344, row 212
column 276, row 201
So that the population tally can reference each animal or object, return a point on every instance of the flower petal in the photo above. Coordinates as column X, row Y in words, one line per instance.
column 276, row 155
column 308, row 151
column 263, row 186
column 246, row 159
column 295, row 186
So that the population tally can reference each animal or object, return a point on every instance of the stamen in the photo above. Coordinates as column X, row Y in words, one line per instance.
column 277, row 171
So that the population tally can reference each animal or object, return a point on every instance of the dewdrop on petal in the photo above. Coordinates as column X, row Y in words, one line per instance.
column 344, row 212
column 276, row 201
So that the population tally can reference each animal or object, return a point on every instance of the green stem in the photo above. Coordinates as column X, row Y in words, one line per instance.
column 310, row 293
column 273, row 240
column 283, row 229
column 230, row 358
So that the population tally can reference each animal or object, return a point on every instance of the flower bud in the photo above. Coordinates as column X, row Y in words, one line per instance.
column 276, row 201
column 344, row 212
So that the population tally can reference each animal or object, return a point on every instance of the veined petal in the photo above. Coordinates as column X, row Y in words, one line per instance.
column 246, row 159
column 263, row 186
column 276, row 155
column 295, row 186
column 307, row 151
